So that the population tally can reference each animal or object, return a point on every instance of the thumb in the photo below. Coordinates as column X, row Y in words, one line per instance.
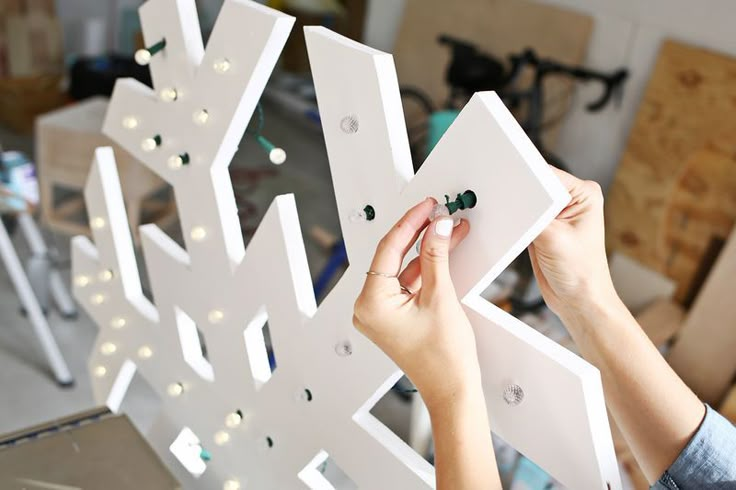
column 434, row 256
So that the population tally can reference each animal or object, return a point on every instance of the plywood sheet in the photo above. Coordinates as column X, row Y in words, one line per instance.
column 675, row 189
column 498, row 27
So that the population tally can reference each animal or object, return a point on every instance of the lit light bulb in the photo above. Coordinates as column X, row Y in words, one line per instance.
column 231, row 485
column 143, row 57
column 175, row 389
column 130, row 122
column 201, row 117
column 277, row 156
column 169, row 94
column 215, row 316
column 177, row 161
column 222, row 437
column 198, row 233
column 99, row 371
column 117, row 322
column 97, row 299
column 108, row 348
column 81, row 281
column 97, row 223
column 150, row 144
column 233, row 420
column 221, row 65
column 105, row 276
column 145, row 352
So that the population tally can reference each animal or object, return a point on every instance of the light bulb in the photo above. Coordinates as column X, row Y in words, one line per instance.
column 221, row 65
column 200, row 117
column 175, row 162
column 513, row 394
column 175, row 389
column 130, row 122
column 169, row 94
column 215, row 316
column 143, row 57
column 105, row 276
column 150, row 144
column 97, row 223
column 438, row 211
column 108, row 348
column 222, row 437
column 145, row 352
column 231, row 485
column 97, row 299
column 99, row 371
column 233, row 420
column 344, row 348
column 198, row 233
column 81, row 281
column 277, row 156
column 117, row 322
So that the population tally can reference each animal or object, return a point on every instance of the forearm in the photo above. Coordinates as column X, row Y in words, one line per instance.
column 464, row 457
column 656, row 412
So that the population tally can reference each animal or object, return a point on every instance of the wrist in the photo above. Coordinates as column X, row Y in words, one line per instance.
column 592, row 309
column 455, row 398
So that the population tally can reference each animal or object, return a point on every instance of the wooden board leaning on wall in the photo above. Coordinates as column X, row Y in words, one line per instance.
column 673, row 200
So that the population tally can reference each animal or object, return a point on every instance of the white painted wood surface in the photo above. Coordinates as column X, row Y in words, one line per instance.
column 216, row 285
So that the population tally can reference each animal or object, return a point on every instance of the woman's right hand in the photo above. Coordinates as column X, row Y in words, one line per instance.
column 569, row 256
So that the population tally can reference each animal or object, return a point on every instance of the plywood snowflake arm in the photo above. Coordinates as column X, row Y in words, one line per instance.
column 484, row 150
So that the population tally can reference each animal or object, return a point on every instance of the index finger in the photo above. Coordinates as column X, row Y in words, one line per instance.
column 396, row 243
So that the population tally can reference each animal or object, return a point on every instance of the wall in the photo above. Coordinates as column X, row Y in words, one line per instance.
column 627, row 33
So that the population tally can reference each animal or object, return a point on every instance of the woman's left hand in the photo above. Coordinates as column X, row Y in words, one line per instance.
column 424, row 330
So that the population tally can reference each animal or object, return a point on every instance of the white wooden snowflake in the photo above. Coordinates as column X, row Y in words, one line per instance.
column 228, row 421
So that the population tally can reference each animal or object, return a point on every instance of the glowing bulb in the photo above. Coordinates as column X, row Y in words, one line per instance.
column 81, row 281
column 169, row 94
column 233, row 420
column 198, row 233
column 175, row 162
column 221, row 65
column 231, row 485
column 222, row 437
column 99, row 371
column 130, row 122
column 117, row 322
column 145, row 352
column 150, row 144
column 143, row 57
column 105, row 276
column 108, row 348
column 200, row 117
column 175, row 389
column 215, row 316
column 97, row 223
column 97, row 299
column 277, row 156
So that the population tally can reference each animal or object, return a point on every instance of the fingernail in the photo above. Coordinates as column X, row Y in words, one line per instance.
column 443, row 227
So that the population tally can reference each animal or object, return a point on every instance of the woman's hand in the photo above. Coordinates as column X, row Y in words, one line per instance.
column 569, row 257
column 424, row 330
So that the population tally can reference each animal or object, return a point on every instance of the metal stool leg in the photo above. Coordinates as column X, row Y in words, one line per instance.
column 28, row 300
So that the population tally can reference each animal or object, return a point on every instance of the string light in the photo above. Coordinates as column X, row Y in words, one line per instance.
column 130, row 122
column 150, row 144
column 233, row 419
column 215, row 316
column 99, row 371
column 177, row 161
column 97, row 223
column 108, row 348
column 97, row 299
column 344, row 348
column 222, row 437
column 145, row 352
column 368, row 213
column 513, row 394
column 221, row 65
column 106, row 275
column 201, row 117
column 169, row 94
column 198, row 233
column 231, row 485
column 117, row 322
column 175, row 389
column 275, row 154
column 81, row 281
column 143, row 56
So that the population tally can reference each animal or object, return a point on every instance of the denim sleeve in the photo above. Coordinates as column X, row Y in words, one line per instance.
column 708, row 462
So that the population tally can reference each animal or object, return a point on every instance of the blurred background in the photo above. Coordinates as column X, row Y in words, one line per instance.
column 638, row 96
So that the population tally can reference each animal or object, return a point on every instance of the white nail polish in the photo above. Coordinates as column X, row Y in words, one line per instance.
column 443, row 227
